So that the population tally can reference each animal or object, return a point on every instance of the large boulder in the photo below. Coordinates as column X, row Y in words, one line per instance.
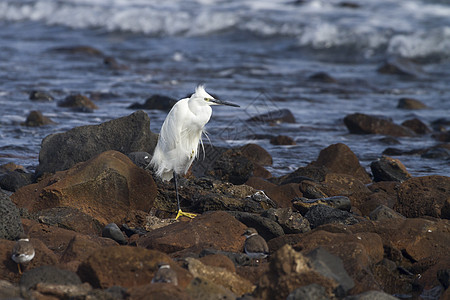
column 128, row 134
column 10, row 224
column 107, row 188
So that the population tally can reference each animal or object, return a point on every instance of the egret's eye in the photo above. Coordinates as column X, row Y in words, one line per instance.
column 206, row 99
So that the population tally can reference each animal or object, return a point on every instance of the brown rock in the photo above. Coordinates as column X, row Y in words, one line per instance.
column 219, row 260
column 282, row 140
column 338, row 158
column 257, row 154
column 409, row 103
column 202, row 289
column 425, row 196
column 36, row 118
column 8, row 268
column 220, row 276
column 345, row 185
column 417, row 126
column 126, row 266
column 259, row 183
column 389, row 169
column 157, row 291
column 78, row 101
column 289, row 270
column 364, row 124
column 218, row 230
column 260, row 171
column 105, row 187
column 283, row 194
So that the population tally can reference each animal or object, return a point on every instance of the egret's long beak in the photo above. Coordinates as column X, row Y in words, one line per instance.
column 220, row 102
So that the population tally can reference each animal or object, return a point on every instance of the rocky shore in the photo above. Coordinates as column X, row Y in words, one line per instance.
column 101, row 224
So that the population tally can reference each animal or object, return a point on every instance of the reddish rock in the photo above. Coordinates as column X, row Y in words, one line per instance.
column 283, row 194
column 218, row 230
column 257, row 154
column 78, row 101
column 36, row 118
column 365, row 124
column 219, row 260
column 417, row 126
column 282, row 140
column 409, row 103
column 126, row 266
column 8, row 268
column 260, row 171
column 345, row 185
column 338, row 158
column 157, row 291
column 425, row 196
column 259, row 183
column 105, row 187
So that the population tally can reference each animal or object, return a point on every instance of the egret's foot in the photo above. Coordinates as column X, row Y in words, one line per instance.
column 181, row 213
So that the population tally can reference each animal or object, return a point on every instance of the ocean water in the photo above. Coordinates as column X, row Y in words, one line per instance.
column 259, row 54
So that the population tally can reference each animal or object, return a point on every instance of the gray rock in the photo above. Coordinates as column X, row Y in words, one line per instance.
column 48, row 274
column 266, row 227
column 371, row 295
column 383, row 212
column 10, row 223
column 331, row 266
column 276, row 116
column 388, row 169
column 443, row 276
column 321, row 214
column 160, row 102
column 290, row 221
column 113, row 232
column 140, row 159
column 128, row 134
column 312, row 291
column 14, row 180
column 303, row 205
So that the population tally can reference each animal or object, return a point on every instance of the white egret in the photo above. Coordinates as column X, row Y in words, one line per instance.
column 180, row 137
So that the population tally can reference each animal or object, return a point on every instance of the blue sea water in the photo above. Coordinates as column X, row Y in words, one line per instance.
column 259, row 54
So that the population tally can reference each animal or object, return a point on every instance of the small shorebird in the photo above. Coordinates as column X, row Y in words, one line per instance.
column 23, row 252
column 255, row 245
column 165, row 274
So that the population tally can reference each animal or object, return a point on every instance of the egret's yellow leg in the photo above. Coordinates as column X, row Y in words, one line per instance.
column 180, row 212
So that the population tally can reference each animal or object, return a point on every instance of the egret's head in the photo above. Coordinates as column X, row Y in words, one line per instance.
column 200, row 93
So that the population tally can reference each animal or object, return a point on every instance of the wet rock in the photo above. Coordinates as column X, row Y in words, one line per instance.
column 274, row 117
column 388, row 140
column 310, row 172
column 231, row 166
column 371, row 295
column 40, row 96
column 106, row 187
column 436, row 153
column 339, row 202
column 389, row 169
column 339, row 158
column 358, row 123
column 113, row 64
column 10, row 223
column 409, row 103
column 48, row 274
column 160, row 102
column 266, row 227
column 257, row 154
column 400, row 66
column 219, row 276
column 14, row 180
column 36, row 118
column 311, row 291
column 61, row 151
column 417, row 126
column 425, row 196
column 321, row 214
column 290, row 221
column 351, row 5
column 322, row 77
column 157, row 291
column 126, row 266
column 69, row 218
column 383, row 212
column 113, row 232
column 282, row 140
column 79, row 49
column 218, row 230
column 312, row 190
column 202, row 289
column 140, row 159
column 79, row 102
column 289, row 270
column 282, row 195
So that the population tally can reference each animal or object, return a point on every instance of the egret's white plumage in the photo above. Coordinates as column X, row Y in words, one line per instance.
column 181, row 133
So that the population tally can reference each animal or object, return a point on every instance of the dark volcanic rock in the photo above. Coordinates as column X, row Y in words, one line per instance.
column 40, row 96
column 383, row 212
column 364, row 124
column 79, row 102
column 409, row 103
column 274, row 117
column 282, row 140
column 340, row 202
column 425, row 196
column 79, row 49
column 155, row 102
column 36, row 118
column 61, row 151
column 322, row 77
column 321, row 214
column 290, row 221
column 10, row 224
column 14, row 180
column 266, row 227
column 389, row 169
column 48, row 274
column 417, row 126
column 140, row 159
column 257, row 154
column 113, row 232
